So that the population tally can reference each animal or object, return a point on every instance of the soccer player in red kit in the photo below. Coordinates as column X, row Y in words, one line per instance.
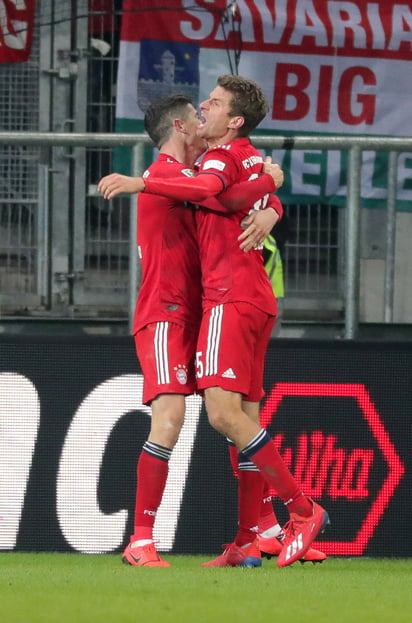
column 167, row 313
column 168, row 309
column 238, row 314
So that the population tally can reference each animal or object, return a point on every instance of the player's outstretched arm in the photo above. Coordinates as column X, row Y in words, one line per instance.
column 114, row 184
column 202, row 187
column 183, row 188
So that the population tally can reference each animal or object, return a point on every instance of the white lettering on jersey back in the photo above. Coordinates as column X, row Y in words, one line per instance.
column 214, row 164
column 188, row 172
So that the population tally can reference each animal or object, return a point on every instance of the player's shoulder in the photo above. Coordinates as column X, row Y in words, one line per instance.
column 168, row 167
column 248, row 155
column 238, row 154
column 240, row 147
column 225, row 148
column 218, row 156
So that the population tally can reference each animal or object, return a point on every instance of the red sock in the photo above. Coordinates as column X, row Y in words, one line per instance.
column 249, row 500
column 262, row 451
column 151, row 481
column 233, row 452
column 267, row 516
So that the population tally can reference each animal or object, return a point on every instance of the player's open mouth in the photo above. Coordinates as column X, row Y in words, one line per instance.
column 202, row 121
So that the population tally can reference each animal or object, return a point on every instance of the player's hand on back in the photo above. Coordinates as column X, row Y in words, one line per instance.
column 114, row 184
column 258, row 225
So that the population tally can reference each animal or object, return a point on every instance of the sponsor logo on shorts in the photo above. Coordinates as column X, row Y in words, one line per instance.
column 229, row 374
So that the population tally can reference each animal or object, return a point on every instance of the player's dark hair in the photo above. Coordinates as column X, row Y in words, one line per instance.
column 158, row 120
column 248, row 101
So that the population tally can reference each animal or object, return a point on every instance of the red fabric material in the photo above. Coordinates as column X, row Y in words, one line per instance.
column 267, row 516
column 242, row 196
column 16, row 31
column 102, row 17
column 233, row 452
column 167, row 239
column 228, row 273
column 238, row 334
column 275, row 203
column 249, row 499
column 193, row 189
column 151, row 481
column 179, row 342
column 277, row 475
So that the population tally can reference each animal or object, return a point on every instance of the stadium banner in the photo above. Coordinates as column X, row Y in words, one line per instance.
column 16, row 30
column 72, row 425
column 326, row 68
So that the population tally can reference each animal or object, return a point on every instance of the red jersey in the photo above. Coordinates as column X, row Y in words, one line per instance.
column 169, row 253
column 228, row 273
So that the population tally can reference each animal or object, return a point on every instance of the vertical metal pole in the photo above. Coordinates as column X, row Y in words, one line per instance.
column 43, row 233
column 352, row 243
column 389, row 284
column 134, row 262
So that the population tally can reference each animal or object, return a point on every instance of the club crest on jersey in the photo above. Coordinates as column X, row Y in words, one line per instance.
column 181, row 373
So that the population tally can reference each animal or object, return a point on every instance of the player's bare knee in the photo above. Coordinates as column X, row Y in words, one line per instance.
column 218, row 419
column 164, row 433
column 222, row 409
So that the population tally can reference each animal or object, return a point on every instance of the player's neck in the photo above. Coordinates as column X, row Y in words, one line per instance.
column 170, row 148
column 230, row 135
column 182, row 153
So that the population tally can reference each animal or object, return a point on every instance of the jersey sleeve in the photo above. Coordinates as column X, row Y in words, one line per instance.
column 220, row 162
column 241, row 196
column 275, row 203
column 217, row 171
column 193, row 189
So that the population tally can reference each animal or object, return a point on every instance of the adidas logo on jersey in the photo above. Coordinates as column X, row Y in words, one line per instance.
column 229, row 374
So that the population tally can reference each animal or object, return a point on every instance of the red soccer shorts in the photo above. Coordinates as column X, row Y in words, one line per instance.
column 166, row 353
column 231, row 349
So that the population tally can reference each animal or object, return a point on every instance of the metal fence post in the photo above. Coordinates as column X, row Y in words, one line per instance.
column 43, row 232
column 352, row 243
column 389, row 284
column 134, row 261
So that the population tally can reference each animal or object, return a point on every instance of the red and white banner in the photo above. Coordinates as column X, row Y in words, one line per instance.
column 16, row 30
column 326, row 67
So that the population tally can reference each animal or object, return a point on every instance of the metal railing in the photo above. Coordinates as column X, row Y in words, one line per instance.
column 353, row 145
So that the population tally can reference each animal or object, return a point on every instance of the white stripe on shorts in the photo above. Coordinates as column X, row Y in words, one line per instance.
column 161, row 355
column 213, row 340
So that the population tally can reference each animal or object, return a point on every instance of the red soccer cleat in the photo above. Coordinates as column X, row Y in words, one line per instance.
column 313, row 556
column 272, row 546
column 143, row 556
column 300, row 532
column 235, row 556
